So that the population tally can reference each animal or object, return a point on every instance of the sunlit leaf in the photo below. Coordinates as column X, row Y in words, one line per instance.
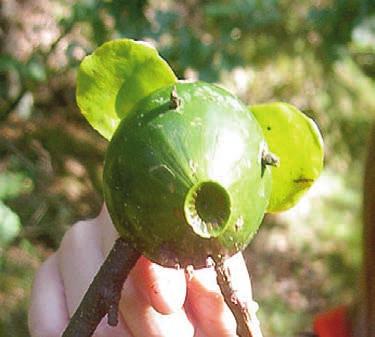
column 36, row 69
column 13, row 184
column 115, row 77
column 8, row 62
column 10, row 225
column 296, row 141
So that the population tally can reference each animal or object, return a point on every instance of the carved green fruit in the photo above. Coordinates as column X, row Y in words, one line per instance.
column 183, row 176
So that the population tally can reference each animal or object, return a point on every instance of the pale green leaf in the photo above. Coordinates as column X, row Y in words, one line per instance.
column 10, row 224
column 115, row 77
column 296, row 141
column 12, row 184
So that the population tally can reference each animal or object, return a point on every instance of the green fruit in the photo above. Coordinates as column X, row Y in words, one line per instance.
column 183, row 175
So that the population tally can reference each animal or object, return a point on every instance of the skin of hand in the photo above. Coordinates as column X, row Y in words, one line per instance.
column 155, row 301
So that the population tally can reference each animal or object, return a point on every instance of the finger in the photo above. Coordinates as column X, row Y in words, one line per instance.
column 207, row 304
column 197, row 330
column 240, row 277
column 47, row 293
column 164, row 288
column 208, row 308
column 144, row 321
column 199, row 333
column 79, row 257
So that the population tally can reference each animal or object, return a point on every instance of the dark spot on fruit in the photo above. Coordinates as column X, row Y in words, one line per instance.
column 303, row 180
column 268, row 128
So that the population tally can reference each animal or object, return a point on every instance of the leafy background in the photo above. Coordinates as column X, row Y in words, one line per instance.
column 318, row 55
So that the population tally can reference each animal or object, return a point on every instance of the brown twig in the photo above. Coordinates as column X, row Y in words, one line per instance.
column 247, row 322
column 104, row 293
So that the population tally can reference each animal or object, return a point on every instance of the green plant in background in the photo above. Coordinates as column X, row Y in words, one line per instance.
column 15, row 274
column 12, row 185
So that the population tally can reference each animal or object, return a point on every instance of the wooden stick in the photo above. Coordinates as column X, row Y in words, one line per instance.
column 243, row 311
column 104, row 293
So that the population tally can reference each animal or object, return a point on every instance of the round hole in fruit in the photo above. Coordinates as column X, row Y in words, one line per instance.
column 207, row 208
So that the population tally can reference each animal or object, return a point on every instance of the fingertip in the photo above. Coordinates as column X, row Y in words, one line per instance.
column 164, row 288
column 207, row 304
column 204, row 280
column 144, row 321
column 79, row 259
column 240, row 277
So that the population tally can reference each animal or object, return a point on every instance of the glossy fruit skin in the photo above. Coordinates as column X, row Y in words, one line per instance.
column 160, row 153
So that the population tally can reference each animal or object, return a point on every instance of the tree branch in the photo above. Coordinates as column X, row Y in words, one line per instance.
column 11, row 105
column 247, row 322
column 103, row 295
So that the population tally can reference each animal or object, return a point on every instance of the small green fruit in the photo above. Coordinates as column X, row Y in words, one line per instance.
column 183, row 176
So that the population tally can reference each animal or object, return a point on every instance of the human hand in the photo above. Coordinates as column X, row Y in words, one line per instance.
column 155, row 301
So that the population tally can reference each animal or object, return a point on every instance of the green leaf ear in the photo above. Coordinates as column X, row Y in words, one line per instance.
column 296, row 141
column 115, row 77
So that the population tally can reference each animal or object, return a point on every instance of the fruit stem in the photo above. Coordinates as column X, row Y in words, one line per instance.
column 103, row 295
column 243, row 311
column 174, row 100
column 268, row 158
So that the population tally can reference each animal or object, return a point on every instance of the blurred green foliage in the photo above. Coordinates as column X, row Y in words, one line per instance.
column 318, row 55
column 11, row 186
